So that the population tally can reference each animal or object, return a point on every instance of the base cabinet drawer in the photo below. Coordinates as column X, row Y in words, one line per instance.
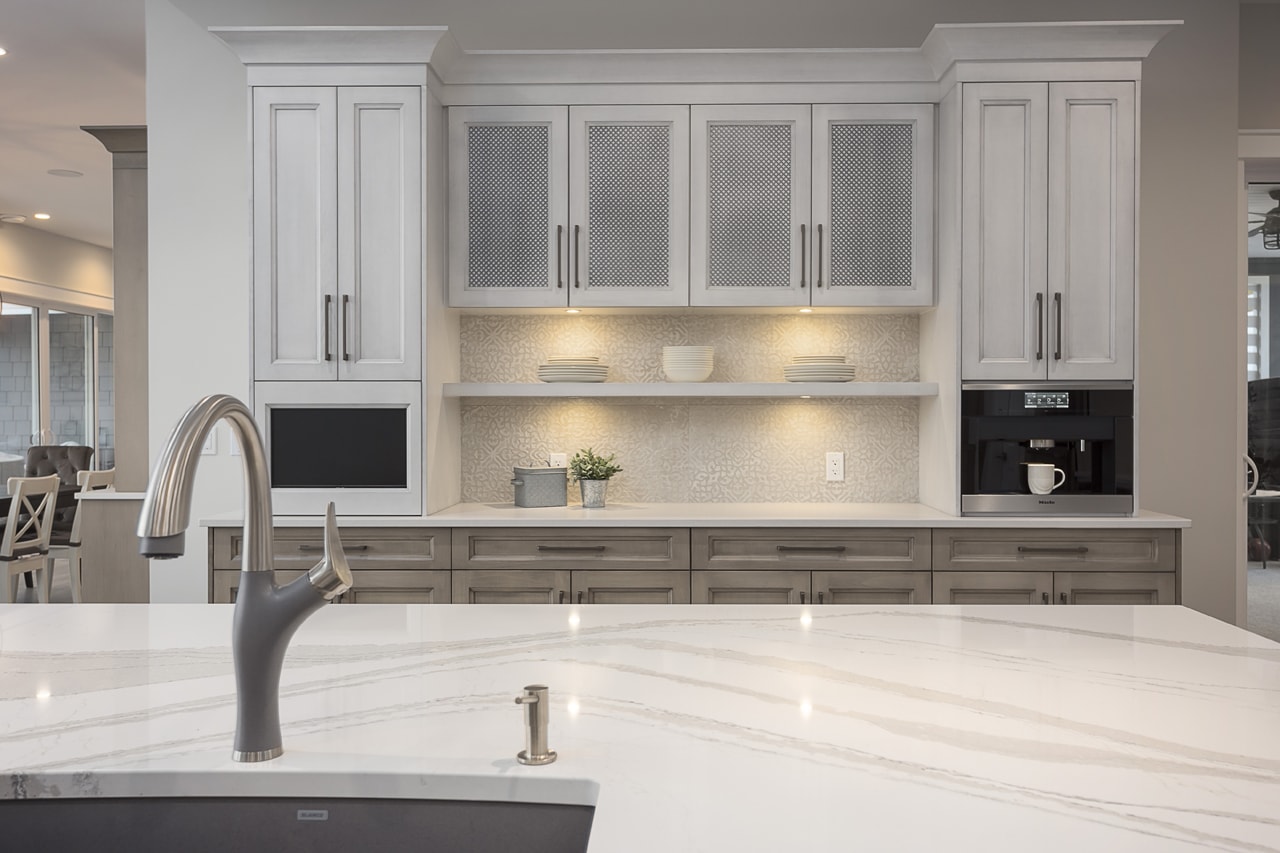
column 810, row 548
column 511, row 586
column 1113, row 588
column 226, row 583
column 992, row 587
column 1066, row 550
column 750, row 587
column 613, row 587
column 872, row 587
column 570, row 548
column 366, row 547
column 398, row 587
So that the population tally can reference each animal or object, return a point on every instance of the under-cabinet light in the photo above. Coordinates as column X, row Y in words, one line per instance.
column 806, row 310
column 42, row 216
column 573, row 311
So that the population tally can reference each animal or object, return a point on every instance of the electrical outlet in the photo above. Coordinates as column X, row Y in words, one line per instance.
column 210, row 443
column 835, row 467
column 558, row 460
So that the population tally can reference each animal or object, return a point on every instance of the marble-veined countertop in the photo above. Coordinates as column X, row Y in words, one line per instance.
column 746, row 728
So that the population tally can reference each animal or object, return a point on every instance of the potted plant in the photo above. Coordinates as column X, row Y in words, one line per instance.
column 592, row 473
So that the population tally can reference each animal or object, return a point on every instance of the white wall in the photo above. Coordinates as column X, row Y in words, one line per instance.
column 1259, row 50
column 1188, row 243
column 198, row 132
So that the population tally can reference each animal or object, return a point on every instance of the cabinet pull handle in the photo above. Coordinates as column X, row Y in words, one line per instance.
column 1063, row 598
column 577, row 262
column 1039, row 326
column 347, row 548
column 562, row 596
column 1057, row 325
column 822, row 596
column 559, row 254
column 596, row 548
column 579, row 596
column 802, row 254
column 346, row 300
column 830, row 549
column 1044, row 598
column 802, row 598
column 328, row 304
column 1060, row 549
column 817, row 269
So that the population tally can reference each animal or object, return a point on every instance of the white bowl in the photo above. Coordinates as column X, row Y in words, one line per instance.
column 687, row 374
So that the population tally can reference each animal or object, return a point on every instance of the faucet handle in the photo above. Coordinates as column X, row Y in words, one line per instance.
column 331, row 576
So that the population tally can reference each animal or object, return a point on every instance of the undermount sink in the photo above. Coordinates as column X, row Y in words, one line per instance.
column 465, row 814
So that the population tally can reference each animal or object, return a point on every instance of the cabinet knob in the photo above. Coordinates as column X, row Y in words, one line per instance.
column 562, row 596
column 1044, row 598
column 1063, row 598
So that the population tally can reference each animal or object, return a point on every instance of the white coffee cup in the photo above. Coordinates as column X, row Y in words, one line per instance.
column 1043, row 477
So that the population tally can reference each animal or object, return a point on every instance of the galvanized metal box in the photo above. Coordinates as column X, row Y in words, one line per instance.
column 541, row 486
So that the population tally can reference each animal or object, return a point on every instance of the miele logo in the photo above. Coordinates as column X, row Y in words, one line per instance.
column 313, row 814
column 1046, row 503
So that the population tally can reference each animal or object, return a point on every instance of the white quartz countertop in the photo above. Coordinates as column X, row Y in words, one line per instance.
column 694, row 728
column 621, row 514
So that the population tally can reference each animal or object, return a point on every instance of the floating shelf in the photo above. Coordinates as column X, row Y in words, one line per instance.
column 691, row 389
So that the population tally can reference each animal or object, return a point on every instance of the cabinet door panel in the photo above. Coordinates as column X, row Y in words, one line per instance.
column 629, row 205
column 1114, row 588
column 508, row 206
column 515, row 586
column 872, row 587
column 1091, row 229
column 398, row 587
column 750, row 200
column 1004, row 168
column 873, row 204
column 294, row 222
column 226, row 584
column 379, row 232
column 748, row 587
column 992, row 587
column 630, row 587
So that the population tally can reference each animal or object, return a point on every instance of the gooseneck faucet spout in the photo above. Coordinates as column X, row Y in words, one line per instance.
column 266, row 615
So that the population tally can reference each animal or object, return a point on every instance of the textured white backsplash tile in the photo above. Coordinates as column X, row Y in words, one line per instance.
column 707, row 450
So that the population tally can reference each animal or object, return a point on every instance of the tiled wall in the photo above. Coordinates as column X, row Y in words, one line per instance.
column 15, row 382
column 701, row 450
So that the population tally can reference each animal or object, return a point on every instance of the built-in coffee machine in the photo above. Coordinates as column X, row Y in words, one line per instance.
column 1046, row 449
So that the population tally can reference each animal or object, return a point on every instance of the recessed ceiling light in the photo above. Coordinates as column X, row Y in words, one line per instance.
column 41, row 216
column 66, row 173
column 13, row 218
column 3, row 51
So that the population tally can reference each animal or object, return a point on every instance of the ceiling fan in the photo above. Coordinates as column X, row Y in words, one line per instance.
column 1269, row 225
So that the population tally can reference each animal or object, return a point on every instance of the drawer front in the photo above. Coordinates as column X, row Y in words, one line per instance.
column 378, row 548
column 872, row 587
column 1054, row 550
column 571, row 548
column 518, row 586
column 759, row 587
column 398, row 587
column 1114, row 588
column 663, row 587
column 811, row 548
column 992, row 587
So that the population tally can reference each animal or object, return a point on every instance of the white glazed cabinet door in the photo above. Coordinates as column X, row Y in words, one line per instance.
column 508, row 207
column 380, row 232
column 629, row 205
column 1092, row 230
column 750, row 202
column 1004, row 168
column 295, row 204
column 872, row 205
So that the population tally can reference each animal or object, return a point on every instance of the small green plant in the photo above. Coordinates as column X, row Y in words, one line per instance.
column 586, row 465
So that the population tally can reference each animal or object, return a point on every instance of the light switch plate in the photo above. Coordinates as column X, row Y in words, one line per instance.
column 558, row 460
column 835, row 467
column 210, row 447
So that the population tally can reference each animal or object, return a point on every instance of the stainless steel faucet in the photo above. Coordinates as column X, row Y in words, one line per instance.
column 266, row 615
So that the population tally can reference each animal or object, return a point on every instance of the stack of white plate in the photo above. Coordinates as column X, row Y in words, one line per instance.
column 818, row 368
column 573, row 368
column 687, row 364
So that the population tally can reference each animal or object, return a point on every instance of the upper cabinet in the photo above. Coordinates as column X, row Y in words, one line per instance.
column 1048, row 231
column 558, row 206
column 337, row 232
column 822, row 205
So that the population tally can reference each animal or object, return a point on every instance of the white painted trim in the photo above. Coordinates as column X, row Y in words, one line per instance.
column 948, row 44
column 374, row 45
column 739, row 390
column 575, row 94
column 337, row 75
column 33, row 292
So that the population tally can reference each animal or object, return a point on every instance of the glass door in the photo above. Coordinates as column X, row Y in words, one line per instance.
column 19, row 388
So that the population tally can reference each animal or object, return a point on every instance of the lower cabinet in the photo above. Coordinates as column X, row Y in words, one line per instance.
column 872, row 588
column 1053, row 587
column 750, row 587
column 560, row 586
column 800, row 587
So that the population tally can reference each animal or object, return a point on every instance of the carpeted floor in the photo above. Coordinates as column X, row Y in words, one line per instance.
column 1264, row 596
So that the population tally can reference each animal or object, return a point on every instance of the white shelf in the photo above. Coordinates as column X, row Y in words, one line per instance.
column 691, row 389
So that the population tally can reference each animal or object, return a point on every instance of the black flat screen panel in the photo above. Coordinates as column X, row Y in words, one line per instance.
column 339, row 448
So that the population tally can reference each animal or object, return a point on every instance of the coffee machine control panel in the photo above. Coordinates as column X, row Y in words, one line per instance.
column 1046, row 400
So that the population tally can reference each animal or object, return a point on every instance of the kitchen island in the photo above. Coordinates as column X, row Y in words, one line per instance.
column 751, row 728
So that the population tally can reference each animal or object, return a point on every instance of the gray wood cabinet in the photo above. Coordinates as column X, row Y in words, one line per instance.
column 872, row 587
column 1048, row 272
column 625, row 587
column 811, row 548
column 992, row 587
column 337, row 232
column 511, row 586
column 750, row 587
column 571, row 548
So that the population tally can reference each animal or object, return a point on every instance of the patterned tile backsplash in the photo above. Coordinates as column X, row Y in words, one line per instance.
column 696, row 450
